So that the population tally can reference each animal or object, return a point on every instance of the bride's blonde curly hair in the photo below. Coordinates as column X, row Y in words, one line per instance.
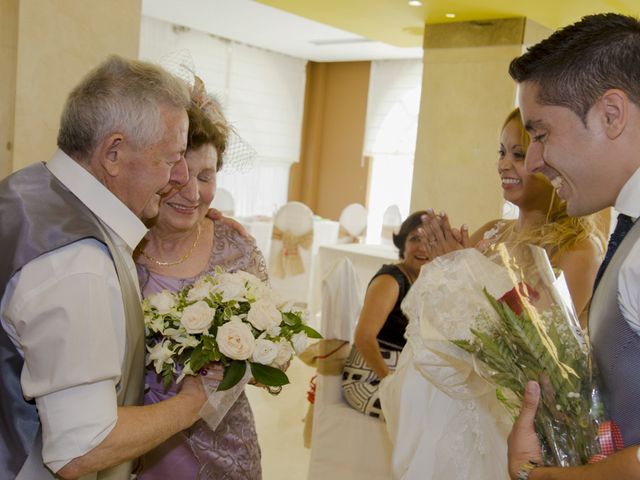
column 560, row 232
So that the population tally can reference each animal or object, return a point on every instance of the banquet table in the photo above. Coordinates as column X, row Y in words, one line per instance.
column 366, row 259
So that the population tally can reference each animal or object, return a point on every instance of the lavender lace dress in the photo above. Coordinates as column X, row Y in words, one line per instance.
column 231, row 452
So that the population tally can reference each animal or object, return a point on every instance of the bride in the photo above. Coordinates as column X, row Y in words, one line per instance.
column 443, row 418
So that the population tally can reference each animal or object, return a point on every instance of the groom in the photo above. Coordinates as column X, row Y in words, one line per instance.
column 580, row 102
column 72, row 336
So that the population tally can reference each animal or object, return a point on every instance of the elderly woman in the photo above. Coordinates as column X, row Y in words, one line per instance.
column 379, row 336
column 183, row 244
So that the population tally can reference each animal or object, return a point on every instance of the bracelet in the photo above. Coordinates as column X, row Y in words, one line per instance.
column 525, row 470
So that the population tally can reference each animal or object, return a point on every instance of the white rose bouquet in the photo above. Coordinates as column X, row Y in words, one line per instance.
column 230, row 318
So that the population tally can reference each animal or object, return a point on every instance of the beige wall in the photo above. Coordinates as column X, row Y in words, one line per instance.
column 8, row 54
column 466, row 94
column 57, row 43
column 332, row 173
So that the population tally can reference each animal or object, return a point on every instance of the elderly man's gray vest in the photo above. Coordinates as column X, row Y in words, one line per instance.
column 38, row 215
column 616, row 347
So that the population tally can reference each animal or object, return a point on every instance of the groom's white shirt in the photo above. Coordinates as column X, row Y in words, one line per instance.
column 64, row 313
column 628, row 202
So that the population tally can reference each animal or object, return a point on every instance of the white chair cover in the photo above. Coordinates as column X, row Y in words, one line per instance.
column 293, row 222
column 391, row 221
column 353, row 223
column 223, row 201
column 345, row 445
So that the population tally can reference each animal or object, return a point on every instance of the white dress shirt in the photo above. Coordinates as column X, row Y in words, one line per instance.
column 628, row 202
column 64, row 313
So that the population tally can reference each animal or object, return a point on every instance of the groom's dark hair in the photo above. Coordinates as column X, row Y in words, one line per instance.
column 578, row 63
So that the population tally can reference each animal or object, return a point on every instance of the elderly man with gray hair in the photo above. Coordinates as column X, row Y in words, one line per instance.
column 72, row 337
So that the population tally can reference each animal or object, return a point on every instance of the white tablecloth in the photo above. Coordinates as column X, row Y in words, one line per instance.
column 366, row 259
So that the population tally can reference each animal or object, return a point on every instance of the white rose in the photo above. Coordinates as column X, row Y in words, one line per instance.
column 235, row 340
column 263, row 315
column 299, row 341
column 285, row 351
column 264, row 292
column 200, row 290
column 231, row 286
column 274, row 331
column 197, row 318
column 252, row 282
column 162, row 301
column 265, row 352
column 160, row 354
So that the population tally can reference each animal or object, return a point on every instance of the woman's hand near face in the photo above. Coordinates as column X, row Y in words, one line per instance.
column 441, row 238
column 379, row 301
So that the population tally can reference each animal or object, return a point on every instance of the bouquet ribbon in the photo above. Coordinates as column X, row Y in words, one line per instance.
column 610, row 440
column 219, row 402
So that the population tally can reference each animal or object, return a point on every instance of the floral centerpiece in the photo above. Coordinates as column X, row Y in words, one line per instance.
column 230, row 318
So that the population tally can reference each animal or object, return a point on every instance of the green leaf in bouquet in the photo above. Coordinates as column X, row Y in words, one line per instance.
column 291, row 319
column 493, row 351
column 200, row 357
column 465, row 345
column 228, row 312
column 167, row 375
column 508, row 380
column 232, row 374
column 311, row 333
column 270, row 376
column 208, row 342
column 218, row 319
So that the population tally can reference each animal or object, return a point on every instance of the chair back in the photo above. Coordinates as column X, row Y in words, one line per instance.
column 353, row 223
column 224, row 202
column 391, row 221
column 290, row 253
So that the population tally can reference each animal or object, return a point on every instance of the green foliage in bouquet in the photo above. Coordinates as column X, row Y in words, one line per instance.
column 229, row 318
column 516, row 349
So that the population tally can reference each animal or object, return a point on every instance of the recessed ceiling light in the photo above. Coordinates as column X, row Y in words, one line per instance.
column 450, row 15
column 415, row 3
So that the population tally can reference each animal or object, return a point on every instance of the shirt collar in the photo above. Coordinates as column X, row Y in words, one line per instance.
column 104, row 204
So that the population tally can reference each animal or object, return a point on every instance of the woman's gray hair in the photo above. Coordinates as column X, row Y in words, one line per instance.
column 123, row 96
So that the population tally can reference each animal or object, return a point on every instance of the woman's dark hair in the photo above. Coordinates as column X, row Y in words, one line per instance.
column 412, row 222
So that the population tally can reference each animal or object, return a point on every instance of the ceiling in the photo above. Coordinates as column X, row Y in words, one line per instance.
column 341, row 30
column 397, row 23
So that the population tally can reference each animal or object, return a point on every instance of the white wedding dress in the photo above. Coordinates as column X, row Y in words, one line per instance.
column 443, row 418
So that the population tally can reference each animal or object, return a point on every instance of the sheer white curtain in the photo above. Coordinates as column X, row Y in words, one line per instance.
column 390, row 138
column 262, row 93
